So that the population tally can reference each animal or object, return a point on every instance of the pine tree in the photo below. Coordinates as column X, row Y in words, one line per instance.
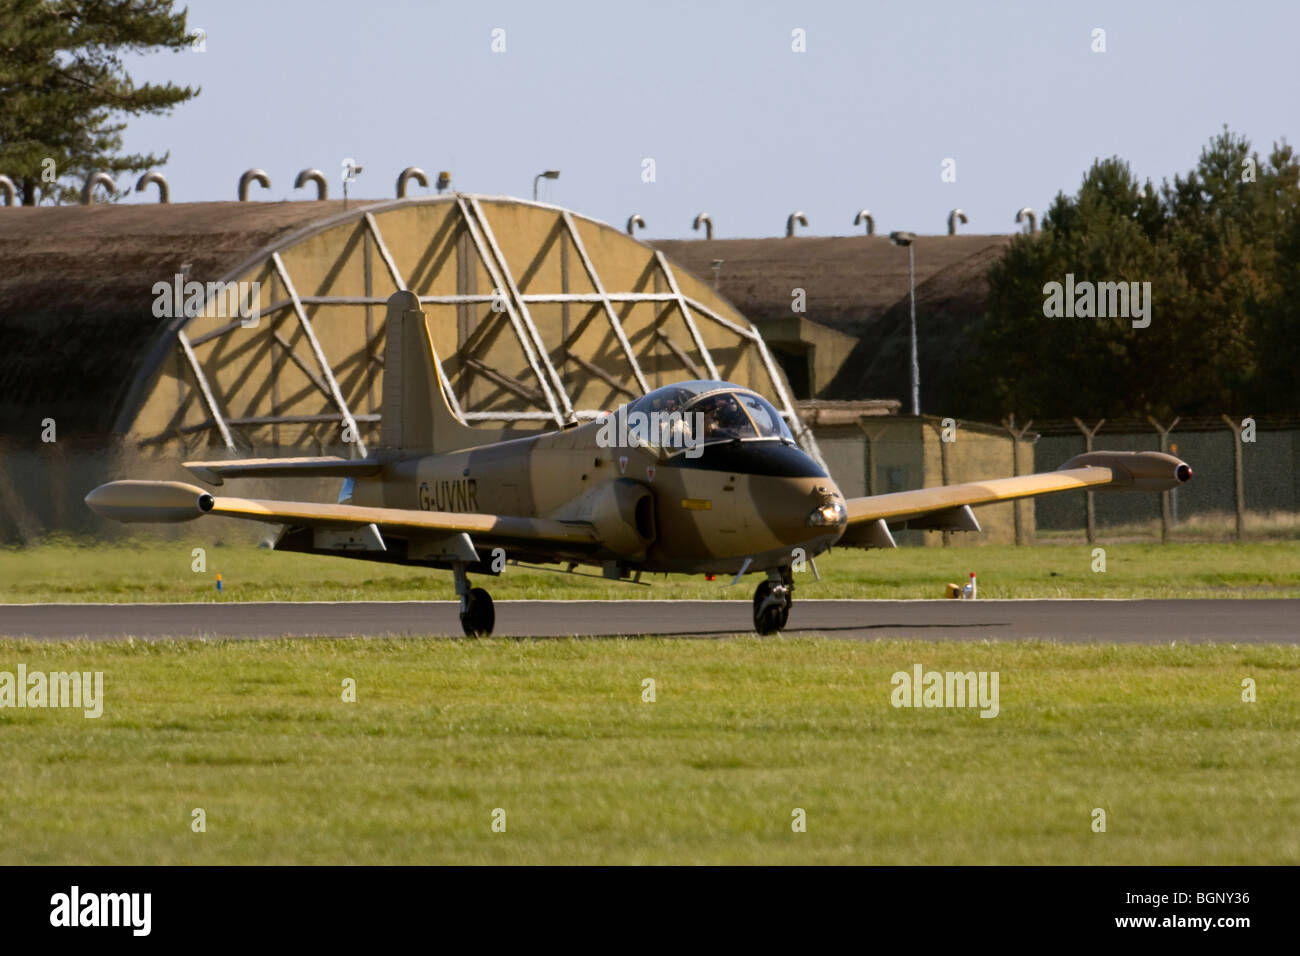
column 65, row 94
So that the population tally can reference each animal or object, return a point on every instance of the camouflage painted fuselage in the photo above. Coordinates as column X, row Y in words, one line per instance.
column 652, row 511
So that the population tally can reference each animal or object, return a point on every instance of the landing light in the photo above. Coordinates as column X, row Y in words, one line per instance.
column 831, row 513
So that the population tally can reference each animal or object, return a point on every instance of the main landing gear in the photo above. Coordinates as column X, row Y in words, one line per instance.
column 772, row 600
column 477, row 615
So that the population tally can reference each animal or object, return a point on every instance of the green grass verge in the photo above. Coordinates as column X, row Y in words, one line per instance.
column 160, row 570
column 743, row 731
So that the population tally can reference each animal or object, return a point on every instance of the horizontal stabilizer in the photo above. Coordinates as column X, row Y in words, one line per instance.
column 330, row 466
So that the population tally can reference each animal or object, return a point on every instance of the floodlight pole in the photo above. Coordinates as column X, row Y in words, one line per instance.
column 916, row 367
column 545, row 174
column 909, row 239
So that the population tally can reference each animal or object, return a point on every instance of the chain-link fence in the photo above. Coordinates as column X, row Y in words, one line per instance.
column 1240, row 466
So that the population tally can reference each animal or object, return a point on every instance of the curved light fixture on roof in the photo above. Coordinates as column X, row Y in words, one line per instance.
column 544, row 174
column 864, row 215
column 9, row 189
column 794, row 217
column 416, row 173
column 708, row 224
column 313, row 176
column 632, row 222
column 251, row 176
column 955, row 217
column 153, row 177
column 1027, row 213
column 96, row 179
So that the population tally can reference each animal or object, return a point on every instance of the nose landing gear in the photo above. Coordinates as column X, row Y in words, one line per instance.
column 772, row 600
column 477, row 615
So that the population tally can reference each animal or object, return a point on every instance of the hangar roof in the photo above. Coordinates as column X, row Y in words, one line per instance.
column 850, row 281
column 858, row 285
column 68, row 273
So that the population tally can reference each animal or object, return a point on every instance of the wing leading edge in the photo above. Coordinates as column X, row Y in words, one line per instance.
column 947, row 507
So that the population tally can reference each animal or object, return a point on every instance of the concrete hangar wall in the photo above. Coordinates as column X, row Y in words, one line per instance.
column 538, row 316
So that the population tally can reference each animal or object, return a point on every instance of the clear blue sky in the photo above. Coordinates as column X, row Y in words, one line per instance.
column 737, row 123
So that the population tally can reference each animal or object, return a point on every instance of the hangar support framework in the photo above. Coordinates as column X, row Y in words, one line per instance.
column 544, row 317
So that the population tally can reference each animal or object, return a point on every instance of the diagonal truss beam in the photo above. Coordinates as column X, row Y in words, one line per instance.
column 206, row 390
column 326, row 372
column 515, row 309
column 525, row 316
column 744, row 333
column 384, row 253
column 614, row 322
column 686, row 315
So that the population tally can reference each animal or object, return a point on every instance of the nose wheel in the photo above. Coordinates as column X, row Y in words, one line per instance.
column 772, row 600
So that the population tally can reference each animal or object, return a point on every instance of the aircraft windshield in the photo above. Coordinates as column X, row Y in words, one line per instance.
column 693, row 413
column 766, row 419
column 731, row 415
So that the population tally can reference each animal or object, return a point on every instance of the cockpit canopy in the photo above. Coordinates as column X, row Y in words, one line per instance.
column 691, row 414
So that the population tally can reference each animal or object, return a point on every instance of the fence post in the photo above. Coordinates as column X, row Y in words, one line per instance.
column 944, row 536
column 1164, row 495
column 1238, row 476
column 1090, row 507
column 1009, row 424
column 871, row 435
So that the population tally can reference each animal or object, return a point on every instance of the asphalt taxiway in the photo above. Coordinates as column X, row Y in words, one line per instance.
column 1265, row 620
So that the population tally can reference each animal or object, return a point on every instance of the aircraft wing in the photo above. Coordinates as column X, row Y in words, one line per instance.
column 947, row 508
column 178, row 501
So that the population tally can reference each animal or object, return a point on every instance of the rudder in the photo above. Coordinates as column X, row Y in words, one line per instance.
column 416, row 414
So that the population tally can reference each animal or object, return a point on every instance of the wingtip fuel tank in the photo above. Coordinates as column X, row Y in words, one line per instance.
column 1135, row 470
column 149, row 501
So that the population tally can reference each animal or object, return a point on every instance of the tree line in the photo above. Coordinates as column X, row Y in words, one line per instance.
column 1220, row 247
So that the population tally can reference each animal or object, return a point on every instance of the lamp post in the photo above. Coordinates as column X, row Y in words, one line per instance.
column 350, row 171
column 906, row 239
column 546, row 174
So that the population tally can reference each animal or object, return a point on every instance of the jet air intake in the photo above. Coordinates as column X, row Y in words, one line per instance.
column 622, row 513
column 149, row 501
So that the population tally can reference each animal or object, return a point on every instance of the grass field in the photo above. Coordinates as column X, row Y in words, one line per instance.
column 160, row 570
column 742, row 732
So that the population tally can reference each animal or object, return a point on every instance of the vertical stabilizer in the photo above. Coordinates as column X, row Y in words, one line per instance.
column 416, row 415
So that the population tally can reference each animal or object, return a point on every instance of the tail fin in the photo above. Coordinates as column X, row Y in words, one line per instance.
column 416, row 415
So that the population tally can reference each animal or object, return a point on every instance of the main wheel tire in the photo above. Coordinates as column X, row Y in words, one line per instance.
column 771, row 619
column 479, row 616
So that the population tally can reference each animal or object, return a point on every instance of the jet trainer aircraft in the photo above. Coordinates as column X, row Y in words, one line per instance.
column 700, row 477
